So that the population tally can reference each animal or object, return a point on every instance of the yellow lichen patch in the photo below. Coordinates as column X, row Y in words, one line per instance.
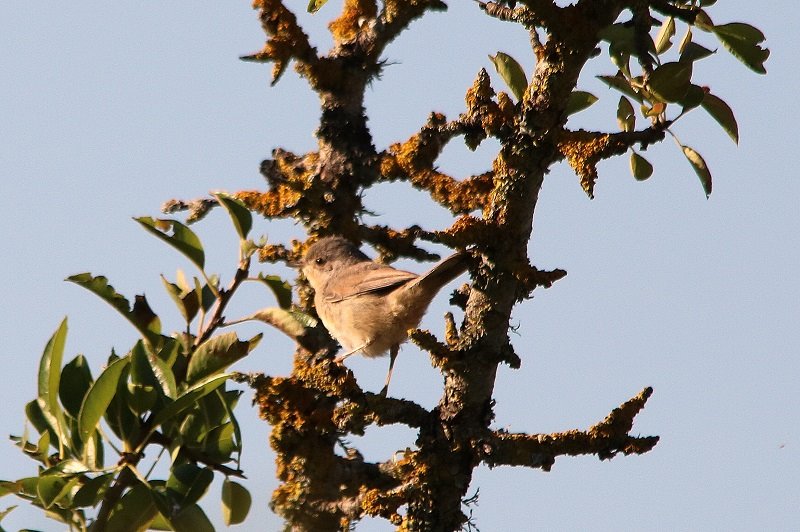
column 467, row 230
column 353, row 15
column 451, row 335
column 458, row 196
column 288, row 494
column 506, row 104
column 274, row 203
column 273, row 253
column 480, row 92
column 583, row 150
column 287, row 40
column 415, row 158
column 331, row 378
column 427, row 341
column 375, row 502
column 482, row 108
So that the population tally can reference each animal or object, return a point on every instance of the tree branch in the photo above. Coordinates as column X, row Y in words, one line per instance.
column 605, row 439
column 287, row 41
column 398, row 14
column 533, row 14
column 687, row 14
column 584, row 149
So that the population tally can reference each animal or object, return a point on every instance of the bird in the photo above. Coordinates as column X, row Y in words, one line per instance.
column 370, row 307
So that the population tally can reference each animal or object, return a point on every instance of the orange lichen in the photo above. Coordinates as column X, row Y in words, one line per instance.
column 375, row 502
column 354, row 13
column 481, row 108
column 506, row 104
column 465, row 231
column 427, row 341
column 583, row 150
column 287, row 40
column 273, row 253
column 451, row 335
column 273, row 203
column 331, row 378
column 414, row 159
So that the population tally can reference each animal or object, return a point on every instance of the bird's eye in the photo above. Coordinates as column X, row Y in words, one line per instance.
column 319, row 262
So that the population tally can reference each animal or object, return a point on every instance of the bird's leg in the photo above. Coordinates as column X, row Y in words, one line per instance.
column 342, row 358
column 392, row 356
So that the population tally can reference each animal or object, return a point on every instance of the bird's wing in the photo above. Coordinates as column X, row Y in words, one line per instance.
column 372, row 277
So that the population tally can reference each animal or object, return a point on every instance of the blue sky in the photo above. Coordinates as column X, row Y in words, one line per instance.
column 109, row 109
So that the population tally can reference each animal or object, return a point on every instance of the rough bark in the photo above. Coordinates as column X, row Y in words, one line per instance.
column 320, row 402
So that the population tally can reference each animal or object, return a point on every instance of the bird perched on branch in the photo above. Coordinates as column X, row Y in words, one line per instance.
column 370, row 307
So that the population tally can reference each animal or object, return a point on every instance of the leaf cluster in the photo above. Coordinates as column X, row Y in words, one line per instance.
column 167, row 392
column 660, row 77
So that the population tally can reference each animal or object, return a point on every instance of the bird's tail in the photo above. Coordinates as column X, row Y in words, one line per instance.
column 443, row 273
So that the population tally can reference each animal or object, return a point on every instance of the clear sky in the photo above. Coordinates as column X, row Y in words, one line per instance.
column 108, row 109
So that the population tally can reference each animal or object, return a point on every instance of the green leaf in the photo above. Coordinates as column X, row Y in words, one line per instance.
column 686, row 40
column 621, row 37
column 50, row 379
column 50, row 368
column 161, row 367
column 511, row 72
column 289, row 322
column 219, row 442
column 160, row 523
column 663, row 40
column 25, row 487
column 188, row 399
column 207, row 297
column 187, row 301
column 188, row 483
column 141, row 316
column 306, row 320
column 281, row 288
column 192, row 424
column 239, row 213
column 621, row 84
column 640, row 167
column 703, row 22
column 99, row 397
column 700, row 168
column 670, row 81
column 694, row 96
column 43, row 445
column 217, row 353
column 7, row 511
column 93, row 452
column 182, row 238
column 723, row 114
column 621, row 59
column 143, row 386
column 315, row 5
column 191, row 519
column 742, row 41
column 67, row 467
column 134, row 511
column 578, row 101
column 694, row 52
column 119, row 417
column 92, row 491
column 626, row 117
column 52, row 488
column 42, row 421
column 76, row 378
column 236, row 501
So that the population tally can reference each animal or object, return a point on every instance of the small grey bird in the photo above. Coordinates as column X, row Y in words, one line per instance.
column 370, row 307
